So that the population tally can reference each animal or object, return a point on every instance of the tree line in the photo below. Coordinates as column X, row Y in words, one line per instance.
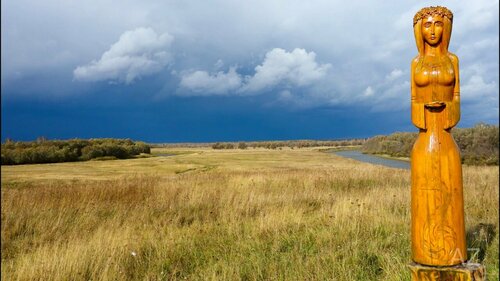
column 478, row 145
column 290, row 144
column 54, row 151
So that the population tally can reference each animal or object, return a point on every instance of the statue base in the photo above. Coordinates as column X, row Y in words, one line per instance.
column 461, row 272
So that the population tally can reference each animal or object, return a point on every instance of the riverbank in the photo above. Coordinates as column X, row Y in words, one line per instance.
column 407, row 159
column 359, row 148
column 478, row 145
column 374, row 159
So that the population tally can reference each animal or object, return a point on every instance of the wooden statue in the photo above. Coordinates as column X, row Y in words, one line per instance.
column 437, row 210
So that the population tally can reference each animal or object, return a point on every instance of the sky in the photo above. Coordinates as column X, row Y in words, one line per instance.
column 206, row 71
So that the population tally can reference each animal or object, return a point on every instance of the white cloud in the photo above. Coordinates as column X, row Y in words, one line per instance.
column 473, row 47
column 297, row 68
column 395, row 74
column 285, row 95
column 219, row 64
column 389, row 94
column 203, row 83
column 137, row 53
column 476, row 90
column 393, row 97
column 368, row 91
column 475, row 16
column 479, row 100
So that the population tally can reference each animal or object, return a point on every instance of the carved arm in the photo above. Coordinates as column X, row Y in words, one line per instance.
column 417, row 108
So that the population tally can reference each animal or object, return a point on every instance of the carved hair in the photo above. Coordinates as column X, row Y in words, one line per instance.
column 432, row 11
column 447, row 23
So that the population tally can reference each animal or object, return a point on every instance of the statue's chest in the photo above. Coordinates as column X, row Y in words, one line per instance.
column 435, row 71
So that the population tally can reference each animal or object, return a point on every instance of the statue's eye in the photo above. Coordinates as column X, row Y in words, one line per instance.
column 439, row 23
column 427, row 24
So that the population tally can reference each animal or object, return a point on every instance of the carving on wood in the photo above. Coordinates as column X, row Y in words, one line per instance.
column 438, row 232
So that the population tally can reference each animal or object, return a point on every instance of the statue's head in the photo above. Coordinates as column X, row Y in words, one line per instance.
column 432, row 25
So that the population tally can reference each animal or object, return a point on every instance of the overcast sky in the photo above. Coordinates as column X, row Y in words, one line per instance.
column 182, row 71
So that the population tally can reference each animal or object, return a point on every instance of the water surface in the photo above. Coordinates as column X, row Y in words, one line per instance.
column 377, row 160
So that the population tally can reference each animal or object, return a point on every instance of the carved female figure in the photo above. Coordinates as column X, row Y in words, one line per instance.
column 438, row 232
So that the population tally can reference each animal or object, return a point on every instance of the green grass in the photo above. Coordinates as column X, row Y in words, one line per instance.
column 253, row 214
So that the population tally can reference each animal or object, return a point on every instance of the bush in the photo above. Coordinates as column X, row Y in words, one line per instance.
column 478, row 145
column 217, row 145
column 53, row 151
column 91, row 151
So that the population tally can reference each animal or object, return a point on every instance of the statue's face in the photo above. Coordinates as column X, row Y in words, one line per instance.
column 432, row 29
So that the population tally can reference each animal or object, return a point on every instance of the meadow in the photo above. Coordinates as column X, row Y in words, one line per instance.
column 239, row 214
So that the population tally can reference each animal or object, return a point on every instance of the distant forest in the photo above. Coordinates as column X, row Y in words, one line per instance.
column 266, row 144
column 53, row 151
column 478, row 145
column 291, row 144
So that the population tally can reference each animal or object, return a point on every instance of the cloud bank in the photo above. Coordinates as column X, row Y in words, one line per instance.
column 202, row 83
column 370, row 63
column 137, row 53
column 297, row 68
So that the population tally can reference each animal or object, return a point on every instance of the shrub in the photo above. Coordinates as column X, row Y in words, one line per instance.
column 53, row 151
column 478, row 145
column 217, row 145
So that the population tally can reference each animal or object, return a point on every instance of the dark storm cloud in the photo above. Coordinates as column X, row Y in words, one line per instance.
column 297, row 55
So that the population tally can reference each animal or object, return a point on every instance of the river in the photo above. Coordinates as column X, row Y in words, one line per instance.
column 377, row 160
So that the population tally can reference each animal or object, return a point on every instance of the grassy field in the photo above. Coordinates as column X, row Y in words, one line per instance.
column 204, row 214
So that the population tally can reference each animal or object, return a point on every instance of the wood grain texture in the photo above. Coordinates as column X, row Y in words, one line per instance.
column 462, row 272
column 438, row 231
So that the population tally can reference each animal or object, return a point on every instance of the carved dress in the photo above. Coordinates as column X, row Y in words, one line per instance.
column 438, row 232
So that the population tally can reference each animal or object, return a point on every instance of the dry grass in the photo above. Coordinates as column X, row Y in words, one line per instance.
column 252, row 214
